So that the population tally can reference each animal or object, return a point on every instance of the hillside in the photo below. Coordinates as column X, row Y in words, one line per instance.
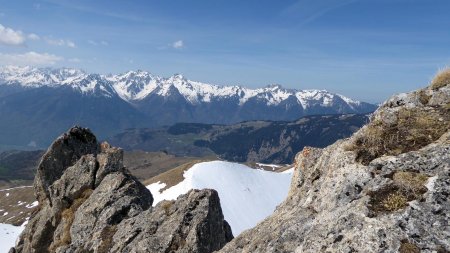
column 253, row 141
column 18, row 167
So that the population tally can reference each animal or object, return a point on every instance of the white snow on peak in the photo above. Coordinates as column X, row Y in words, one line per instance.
column 63, row 77
column 35, row 77
column 247, row 195
column 134, row 85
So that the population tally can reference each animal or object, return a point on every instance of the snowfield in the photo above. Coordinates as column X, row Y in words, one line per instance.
column 247, row 195
column 8, row 236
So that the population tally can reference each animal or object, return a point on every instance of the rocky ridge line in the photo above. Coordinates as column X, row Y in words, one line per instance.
column 385, row 189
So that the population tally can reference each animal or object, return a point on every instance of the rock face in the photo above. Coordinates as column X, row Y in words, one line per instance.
column 88, row 202
column 385, row 189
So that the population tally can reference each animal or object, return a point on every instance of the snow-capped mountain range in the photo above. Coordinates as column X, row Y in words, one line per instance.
column 137, row 85
column 48, row 101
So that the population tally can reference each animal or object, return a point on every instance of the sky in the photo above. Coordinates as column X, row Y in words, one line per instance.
column 364, row 49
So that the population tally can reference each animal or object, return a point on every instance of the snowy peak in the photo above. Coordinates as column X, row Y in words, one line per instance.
column 134, row 85
column 177, row 78
column 78, row 80
column 35, row 77
column 94, row 84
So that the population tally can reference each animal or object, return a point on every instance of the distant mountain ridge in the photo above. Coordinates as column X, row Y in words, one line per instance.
column 251, row 141
column 138, row 85
column 38, row 103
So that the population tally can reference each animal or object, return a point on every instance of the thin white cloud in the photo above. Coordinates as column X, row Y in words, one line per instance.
column 178, row 44
column 74, row 60
column 97, row 43
column 29, row 58
column 60, row 42
column 11, row 37
column 92, row 42
column 70, row 44
column 310, row 10
column 33, row 36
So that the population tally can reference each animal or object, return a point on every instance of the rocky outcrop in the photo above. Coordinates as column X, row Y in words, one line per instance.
column 385, row 189
column 88, row 202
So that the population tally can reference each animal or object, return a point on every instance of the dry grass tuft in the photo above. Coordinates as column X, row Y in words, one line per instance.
column 441, row 79
column 407, row 186
column 395, row 201
column 415, row 128
column 166, row 205
column 407, row 247
column 423, row 97
column 411, row 182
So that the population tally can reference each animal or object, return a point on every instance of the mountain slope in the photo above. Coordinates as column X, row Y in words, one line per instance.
column 35, row 116
column 18, row 167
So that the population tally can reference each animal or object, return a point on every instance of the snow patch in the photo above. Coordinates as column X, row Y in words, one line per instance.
column 35, row 203
column 247, row 196
column 289, row 171
column 155, row 189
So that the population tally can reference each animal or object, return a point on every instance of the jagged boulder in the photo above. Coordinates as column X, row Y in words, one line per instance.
column 88, row 202
column 63, row 153
column 177, row 226
column 385, row 189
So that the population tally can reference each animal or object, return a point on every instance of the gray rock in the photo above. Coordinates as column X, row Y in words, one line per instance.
column 397, row 203
column 64, row 152
column 91, row 203
column 192, row 223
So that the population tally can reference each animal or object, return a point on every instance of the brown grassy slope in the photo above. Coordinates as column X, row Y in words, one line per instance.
column 174, row 176
column 13, row 204
column 145, row 165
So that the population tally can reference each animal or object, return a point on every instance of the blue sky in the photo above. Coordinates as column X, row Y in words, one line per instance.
column 365, row 49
